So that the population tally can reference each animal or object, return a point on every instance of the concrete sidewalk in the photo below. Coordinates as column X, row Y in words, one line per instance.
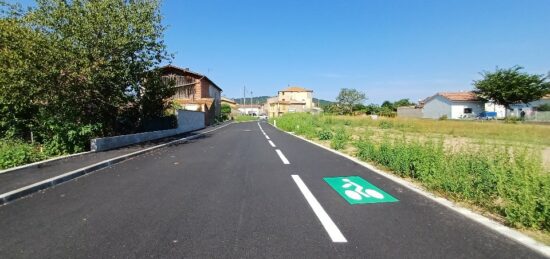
column 16, row 179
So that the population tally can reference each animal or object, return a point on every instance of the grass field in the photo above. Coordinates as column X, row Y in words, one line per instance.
column 493, row 166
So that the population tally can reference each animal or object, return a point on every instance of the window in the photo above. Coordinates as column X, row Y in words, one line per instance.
column 467, row 110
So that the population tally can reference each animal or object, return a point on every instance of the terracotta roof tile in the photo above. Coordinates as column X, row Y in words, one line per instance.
column 296, row 89
column 460, row 96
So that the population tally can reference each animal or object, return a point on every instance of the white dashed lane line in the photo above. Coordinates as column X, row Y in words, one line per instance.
column 326, row 221
column 271, row 143
column 282, row 156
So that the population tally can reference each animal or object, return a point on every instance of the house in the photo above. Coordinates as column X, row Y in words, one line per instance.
column 232, row 104
column 291, row 99
column 528, row 108
column 250, row 109
column 194, row 91
column 453, row 105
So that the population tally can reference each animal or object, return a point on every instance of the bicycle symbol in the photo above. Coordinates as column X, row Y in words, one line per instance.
column 358, row 193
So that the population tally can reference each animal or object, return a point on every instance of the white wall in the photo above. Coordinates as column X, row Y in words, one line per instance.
column 249, row 110
column 457, row 109
column 499, row 109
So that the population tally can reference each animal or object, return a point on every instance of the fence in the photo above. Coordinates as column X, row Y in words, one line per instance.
column 538, row 116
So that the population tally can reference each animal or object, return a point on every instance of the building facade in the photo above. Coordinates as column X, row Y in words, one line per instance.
column 251, row 109
column 457, row 105
column 291, row 99
column 194, row 92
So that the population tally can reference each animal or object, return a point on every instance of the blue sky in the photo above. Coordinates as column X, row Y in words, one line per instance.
column 389, row 49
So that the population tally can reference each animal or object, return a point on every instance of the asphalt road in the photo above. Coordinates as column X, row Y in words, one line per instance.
column 230, row 195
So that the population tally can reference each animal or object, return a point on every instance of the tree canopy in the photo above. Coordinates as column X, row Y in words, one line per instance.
column 511, row 85
column 347, row 98
column 77, row 69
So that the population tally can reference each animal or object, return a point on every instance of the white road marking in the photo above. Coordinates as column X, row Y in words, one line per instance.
column 282, row 156
column 271, row 143
column 330, row 227
column 267, row 137
column 489, row 223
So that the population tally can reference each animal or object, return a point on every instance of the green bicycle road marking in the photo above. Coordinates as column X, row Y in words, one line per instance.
column 356, row 190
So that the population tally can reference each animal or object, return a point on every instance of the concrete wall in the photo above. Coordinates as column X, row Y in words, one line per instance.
column 437, row 107
column 409, row 112
column 187, row 121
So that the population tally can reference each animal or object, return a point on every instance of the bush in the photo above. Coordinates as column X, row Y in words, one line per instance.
column 544, row 107
column 512, row 119
column 15, row 153
column 443, row 118
column 324, row 134
column 339, row 140
column 508, row 182
column 69, row 138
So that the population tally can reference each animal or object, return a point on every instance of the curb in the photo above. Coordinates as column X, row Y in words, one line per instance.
column 38, row 163
column 489, row 223
column 29, row 189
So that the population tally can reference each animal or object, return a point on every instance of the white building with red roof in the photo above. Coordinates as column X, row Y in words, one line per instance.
column 453, row 105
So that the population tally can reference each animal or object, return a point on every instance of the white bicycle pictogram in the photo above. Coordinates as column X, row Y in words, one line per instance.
column 358, row 193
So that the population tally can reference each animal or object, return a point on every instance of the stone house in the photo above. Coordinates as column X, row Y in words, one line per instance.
column 194, row 91
column 291, row 99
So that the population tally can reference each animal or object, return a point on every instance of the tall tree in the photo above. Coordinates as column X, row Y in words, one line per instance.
column 511, row 85
column 97, row 57
column 347, row 98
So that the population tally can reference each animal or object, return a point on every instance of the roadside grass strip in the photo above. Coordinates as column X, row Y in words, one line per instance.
column 331, row 228
column 489, row 223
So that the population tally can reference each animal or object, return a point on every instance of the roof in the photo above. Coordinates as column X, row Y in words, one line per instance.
column 456, row 97
column 295, row 89
column 186, row 70
column 460, row 96
column 225, row 99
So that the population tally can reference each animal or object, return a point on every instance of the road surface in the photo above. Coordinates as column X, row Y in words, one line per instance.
column 239, row 192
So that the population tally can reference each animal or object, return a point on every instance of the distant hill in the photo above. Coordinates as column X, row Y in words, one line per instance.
column 263, row 99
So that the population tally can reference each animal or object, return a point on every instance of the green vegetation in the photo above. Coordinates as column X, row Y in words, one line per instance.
column 508, row 86
column 491, row 165
column 348, row 98
column 74, row 70
column 14, row 153
column 245, row 118
column 387, row 109
column 225, row 112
